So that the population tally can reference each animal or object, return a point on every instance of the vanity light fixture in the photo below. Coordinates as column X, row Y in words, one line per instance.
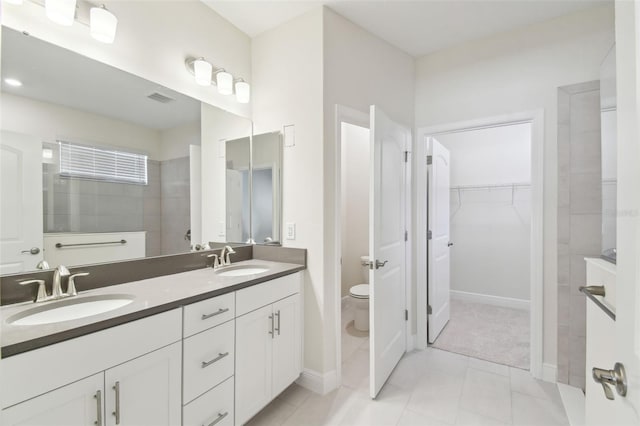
column 224, row 81
column 62, row 12
column 103, row 24
column 243, row 91
column 202, row 70
column 207, row 74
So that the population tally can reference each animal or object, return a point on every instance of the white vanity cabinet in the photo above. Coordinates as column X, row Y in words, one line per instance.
column 268, row 343
column 108, row 377
column 76, row 404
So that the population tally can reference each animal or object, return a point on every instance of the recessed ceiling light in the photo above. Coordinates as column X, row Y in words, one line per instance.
column 13, row 82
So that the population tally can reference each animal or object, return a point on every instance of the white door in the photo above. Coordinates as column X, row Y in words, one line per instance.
column 287, row 343
column 21, row 202
column 79, row 404
column 146, row 391
column 438, row 245
column 387, row 301
column 253, row 362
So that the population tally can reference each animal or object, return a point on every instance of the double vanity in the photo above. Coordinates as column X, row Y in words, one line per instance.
column 203, row 347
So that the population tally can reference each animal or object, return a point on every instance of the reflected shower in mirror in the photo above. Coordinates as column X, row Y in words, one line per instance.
column 266, row 172
column 108, row 157
column 608, row 115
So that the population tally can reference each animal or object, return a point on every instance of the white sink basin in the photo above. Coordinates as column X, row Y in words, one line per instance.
column 70, row 309
column 241, row 270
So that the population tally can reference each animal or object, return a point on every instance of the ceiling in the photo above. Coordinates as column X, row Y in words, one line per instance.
column 417, row 27
column 52, row 74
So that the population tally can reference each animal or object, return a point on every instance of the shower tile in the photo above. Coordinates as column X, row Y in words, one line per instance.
column 578, row 274
column 564, row 225
column 578, row 315
column 564, row 190
column 585, row 152
column 586, row 193
column 563, row 305
column 585, row 233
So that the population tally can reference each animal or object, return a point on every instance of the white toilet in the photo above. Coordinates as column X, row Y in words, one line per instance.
column 360, row 298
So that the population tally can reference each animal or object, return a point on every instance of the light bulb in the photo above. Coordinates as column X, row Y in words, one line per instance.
column 202, row 70
column 103, row 24
column 61, row 12
column 224, row 80
column 243, row 92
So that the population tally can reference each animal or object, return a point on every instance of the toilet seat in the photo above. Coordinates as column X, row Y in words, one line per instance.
column 360, row 291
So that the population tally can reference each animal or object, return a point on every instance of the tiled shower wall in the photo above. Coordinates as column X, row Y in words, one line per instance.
column 579, row 219
column 160, row 208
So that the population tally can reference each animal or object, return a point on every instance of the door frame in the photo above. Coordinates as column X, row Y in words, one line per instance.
column 344, row 114
column 536, row 119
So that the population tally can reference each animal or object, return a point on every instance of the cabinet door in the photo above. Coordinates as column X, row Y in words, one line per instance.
column 287, row 343
column 253, row 362
column 77, row 404
column 145, row 390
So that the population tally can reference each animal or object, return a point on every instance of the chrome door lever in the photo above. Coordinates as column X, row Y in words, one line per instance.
column 380, row 264
column 616, row 378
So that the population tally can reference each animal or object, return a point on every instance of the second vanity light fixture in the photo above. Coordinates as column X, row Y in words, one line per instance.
column 206, row 74
column 102, row 23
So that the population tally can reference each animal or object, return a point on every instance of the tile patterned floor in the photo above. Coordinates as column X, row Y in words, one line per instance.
column 431, row 387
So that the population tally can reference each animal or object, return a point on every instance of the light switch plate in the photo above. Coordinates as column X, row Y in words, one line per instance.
column 291, row 231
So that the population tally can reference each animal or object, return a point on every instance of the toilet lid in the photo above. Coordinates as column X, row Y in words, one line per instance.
column 360, row 291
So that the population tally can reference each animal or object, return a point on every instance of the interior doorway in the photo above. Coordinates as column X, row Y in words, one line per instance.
column 496, row 255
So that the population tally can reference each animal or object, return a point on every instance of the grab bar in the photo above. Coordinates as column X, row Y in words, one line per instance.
column 60, row 245
column 591, row 292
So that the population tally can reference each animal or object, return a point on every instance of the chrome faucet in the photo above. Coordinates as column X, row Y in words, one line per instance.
column 60, row 273
column 224, row 256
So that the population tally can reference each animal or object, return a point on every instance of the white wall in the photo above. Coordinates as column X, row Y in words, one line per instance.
column 287, row 90
column 491, row 227
column 153, row 40
column 494, row 155
column 50, row 122
column 174, row 142
column 354, row 204
column 514, row 72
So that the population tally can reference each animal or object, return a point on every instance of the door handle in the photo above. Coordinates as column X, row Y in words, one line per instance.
column 116, row 413
column 449, row 244
column 32, row 250
column 616, row 378
column 380, row 264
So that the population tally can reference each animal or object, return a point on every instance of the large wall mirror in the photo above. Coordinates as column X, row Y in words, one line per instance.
column 608, row 115
column 100, row 165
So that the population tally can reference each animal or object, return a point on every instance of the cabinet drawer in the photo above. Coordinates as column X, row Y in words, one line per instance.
column 252, row 298
column 213, row 408
column 208, row 313
column 208, row 359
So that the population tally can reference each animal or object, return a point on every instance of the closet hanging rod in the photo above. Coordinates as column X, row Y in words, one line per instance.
column 494, row 186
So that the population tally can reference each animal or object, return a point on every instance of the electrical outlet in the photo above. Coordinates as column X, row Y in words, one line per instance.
column 291, row 231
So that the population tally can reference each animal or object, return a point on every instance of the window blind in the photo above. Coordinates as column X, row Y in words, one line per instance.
column 102, row 164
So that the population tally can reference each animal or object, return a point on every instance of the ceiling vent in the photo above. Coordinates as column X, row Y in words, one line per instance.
column 159, row 97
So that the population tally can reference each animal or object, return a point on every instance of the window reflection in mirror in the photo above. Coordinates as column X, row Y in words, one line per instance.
column 238, row 153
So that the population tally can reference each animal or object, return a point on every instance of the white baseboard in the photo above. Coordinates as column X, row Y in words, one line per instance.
column 574, row 401
column 549, row 372
column 507, row 302
column 318, row 382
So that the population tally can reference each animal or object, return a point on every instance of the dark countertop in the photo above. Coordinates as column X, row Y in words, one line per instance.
column 151, row 296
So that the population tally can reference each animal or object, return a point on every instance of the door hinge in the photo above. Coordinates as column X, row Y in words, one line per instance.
column 406, row 315
column 429, row 159
column 429, row 310
column 429, row 235
column 406, row 156
column 406, row 235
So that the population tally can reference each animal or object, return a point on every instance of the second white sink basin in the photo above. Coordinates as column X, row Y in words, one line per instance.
column 241, row 270
column 70, row 309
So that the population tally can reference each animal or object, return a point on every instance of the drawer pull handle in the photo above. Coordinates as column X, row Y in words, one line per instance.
column 218, row 419
column 98, row 397
column 218, row 312
column 278, row 327
column 216, row 359
column 116, row 413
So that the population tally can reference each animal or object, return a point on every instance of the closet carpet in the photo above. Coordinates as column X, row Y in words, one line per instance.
column 488, row 332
